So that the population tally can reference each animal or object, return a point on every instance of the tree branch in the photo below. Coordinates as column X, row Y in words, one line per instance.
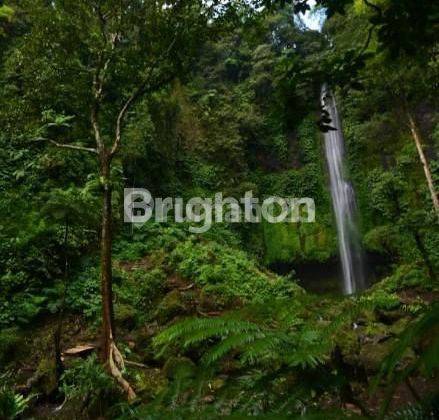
column 69, row 146
column 95, row 125
column 142, row 89
column 99, row 77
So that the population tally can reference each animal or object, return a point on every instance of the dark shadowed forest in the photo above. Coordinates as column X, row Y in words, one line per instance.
column 333, row 315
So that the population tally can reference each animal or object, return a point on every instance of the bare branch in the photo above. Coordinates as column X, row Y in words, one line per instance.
column 136, row 364
column 99, row 77
column 69, row 146
column 95, row 125
column 141, row 90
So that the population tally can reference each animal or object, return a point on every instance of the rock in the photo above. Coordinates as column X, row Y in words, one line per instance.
column 372, row 354
column 183, row 367
column 172, row 305
column 125, row 315
column 389, row 317
column 149, row 382
column 44, row 380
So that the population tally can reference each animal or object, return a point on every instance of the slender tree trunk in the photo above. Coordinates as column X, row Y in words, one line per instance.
column 417, row 138
column 111, row 356
column 58, row 331
column 106, row 263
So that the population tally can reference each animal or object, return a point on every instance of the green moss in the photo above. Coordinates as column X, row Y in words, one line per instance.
column 181, row 367
column 46, row 381
column 171, row 305
column 372, row 354
column 292, row 242
column 228, row 273
column 148, row 383
column 125, row 314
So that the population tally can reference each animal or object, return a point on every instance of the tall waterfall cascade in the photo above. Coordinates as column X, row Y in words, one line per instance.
column 343, row 200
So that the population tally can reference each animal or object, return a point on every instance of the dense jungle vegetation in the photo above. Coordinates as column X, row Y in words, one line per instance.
column 101, row 319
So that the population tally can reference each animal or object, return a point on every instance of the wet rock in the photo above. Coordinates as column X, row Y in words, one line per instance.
column 125, row 315
column 45, row 380
column 181, row 367
column 173, row 304
column 389, row 317
column 372, row 354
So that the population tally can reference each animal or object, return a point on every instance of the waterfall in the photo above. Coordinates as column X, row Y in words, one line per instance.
column 343, row 200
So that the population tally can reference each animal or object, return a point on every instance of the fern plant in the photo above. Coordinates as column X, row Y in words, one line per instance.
column 12, row 404
column 265, row 347
column 255, row 344
column 408, row 413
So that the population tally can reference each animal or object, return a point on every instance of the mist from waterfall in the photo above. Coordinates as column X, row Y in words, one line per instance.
column 343, row 200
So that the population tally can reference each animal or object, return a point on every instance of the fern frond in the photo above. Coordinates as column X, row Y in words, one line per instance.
column 229, row 344
column 266, row 349
column 412, row 412
column 193, row 331
column 216, row 327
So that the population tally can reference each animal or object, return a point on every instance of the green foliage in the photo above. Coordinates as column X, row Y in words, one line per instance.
column 83, row 294
column 294, row 243
column 87, row 381
column 424, row 329
column 230, row 105
column 409, row 276
column 228, row 273
column 9, row 341
column 381, row 299
column 263, row 336
column 421, row 411
column 137, row 294
column 263, row 348
column 12, row 404
column 22, row 309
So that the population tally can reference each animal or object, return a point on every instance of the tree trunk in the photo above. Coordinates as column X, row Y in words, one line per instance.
column 106, row 263
column 417, row 138
column 110, row 354
column 58, row 331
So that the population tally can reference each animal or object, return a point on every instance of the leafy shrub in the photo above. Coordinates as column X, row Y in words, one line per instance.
column 291, row 243
column 147, row 238
column 409, row 275
column 87, row 381
column 255, row 344
column 228, row 272
column 422, row 330
column 83, row 293
column 261, row 347
column 379, row 298
column 21, row 308
column 12, row 404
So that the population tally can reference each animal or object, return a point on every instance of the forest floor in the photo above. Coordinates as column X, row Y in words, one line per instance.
column 362, row 347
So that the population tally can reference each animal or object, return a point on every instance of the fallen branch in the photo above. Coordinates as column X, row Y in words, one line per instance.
column 208, row 314
column 136, row 364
